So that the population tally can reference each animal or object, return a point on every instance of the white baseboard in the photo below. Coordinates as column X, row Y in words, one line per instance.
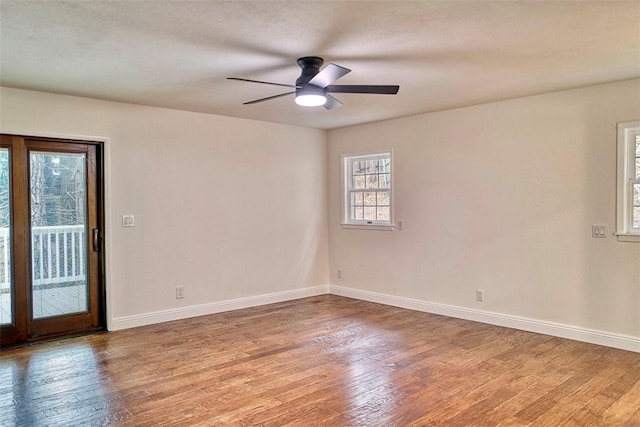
column 143, row 319
column 608, row 339
column 623, row 342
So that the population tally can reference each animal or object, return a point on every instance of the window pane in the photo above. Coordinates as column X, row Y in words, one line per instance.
column 370, row 198
column 359, row 168
column 358, row 181
column 635, row 223
column 637, row 156
column 358, row 213
column 385, row 165
column 385, row 180
column 383, row 214
column 383, row 198
column 356, row 198
column 6, row 306
column 372, row 181
column 370, row 213
column 372, row 166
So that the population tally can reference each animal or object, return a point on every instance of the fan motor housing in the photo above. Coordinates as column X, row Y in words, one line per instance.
column 310, row 67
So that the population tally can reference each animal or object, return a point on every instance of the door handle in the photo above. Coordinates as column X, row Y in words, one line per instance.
column 96, row 240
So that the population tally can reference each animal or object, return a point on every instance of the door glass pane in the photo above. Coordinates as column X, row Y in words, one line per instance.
column 6, row 305
column 58, row 234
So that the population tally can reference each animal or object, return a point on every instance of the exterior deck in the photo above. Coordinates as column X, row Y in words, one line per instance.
column 50, row 300
column 58, row 271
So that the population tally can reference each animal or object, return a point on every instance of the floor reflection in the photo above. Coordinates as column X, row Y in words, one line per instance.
column 59, row 386
column 372, row 391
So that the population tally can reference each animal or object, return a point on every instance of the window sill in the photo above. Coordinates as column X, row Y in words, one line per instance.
column 377, row 227
column 628, row 238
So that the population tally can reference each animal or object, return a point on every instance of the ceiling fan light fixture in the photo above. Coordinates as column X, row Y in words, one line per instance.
column 311, row 100
column 314, row 86
column 310, row 96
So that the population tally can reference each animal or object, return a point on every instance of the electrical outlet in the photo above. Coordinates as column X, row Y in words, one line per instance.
column 339, row 274
column 179, row 292
column 128, row 221
column 479, row 295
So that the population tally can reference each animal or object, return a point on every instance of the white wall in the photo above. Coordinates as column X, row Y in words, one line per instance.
column 228, row 208
column 500, row 197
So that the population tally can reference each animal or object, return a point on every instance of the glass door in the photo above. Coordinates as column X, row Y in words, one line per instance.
column 58, row 232
column 6, row 294
column 54, row 241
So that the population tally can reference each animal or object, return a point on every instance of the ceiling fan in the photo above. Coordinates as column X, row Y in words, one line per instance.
column 313, row 87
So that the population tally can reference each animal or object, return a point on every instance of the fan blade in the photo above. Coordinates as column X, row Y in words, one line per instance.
column 267, row 98
column 328, row 75
column 259, row 81
column 375, row 89
column 332, row 103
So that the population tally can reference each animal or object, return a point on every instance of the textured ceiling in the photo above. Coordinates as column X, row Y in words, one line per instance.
column 443, row 54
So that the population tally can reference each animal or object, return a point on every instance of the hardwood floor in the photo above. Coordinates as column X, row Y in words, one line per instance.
column 321, row 361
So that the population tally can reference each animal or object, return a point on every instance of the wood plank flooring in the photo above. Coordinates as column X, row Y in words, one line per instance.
column 321, row 361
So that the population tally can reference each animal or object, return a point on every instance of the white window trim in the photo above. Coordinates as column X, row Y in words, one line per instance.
column 346, row 224
column 627, row 132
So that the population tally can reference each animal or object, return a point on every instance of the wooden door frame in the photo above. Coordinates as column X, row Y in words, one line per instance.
column 101, row 159
column 19, row 240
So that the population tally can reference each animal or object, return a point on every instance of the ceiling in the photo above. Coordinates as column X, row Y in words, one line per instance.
column 443, row 54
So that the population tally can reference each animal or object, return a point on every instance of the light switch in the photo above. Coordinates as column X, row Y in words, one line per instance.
column 598, row 231
column 128, row 221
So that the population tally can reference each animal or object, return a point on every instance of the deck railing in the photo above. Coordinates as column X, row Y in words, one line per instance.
column 57, row 255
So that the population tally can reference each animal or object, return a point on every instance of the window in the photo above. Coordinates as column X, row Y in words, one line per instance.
column 367, row 190
column 628, row 197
